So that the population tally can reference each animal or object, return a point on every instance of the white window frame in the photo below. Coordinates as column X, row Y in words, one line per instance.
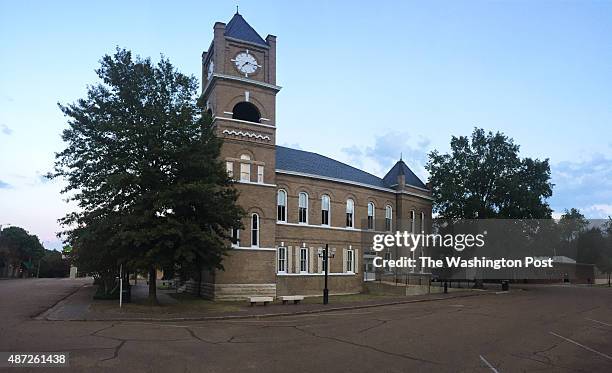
column 371, row 214
column 255, row 229
column 412, row 221
column 303, row 260
column 260, row 174
column 350, row 209
column 350, row 261
column 235, row 234
column 422, row 222
column 245, row 172
column 282, row 261
column 323, row 197
column 284, row 205
column 388, row 218
column 303, row 206
column 229, row 167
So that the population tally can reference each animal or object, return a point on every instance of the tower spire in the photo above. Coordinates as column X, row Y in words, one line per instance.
column 237, row 9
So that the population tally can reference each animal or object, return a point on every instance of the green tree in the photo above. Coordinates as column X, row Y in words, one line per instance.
column 20, row 249
column 53, row 265
column 142, row 163
column 484, row 177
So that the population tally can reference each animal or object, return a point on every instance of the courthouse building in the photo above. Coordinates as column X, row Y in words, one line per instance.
column 296, row 201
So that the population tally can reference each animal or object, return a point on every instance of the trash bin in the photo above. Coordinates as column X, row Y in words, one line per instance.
column 504, row 285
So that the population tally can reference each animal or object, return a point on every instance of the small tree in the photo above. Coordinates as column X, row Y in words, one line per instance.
column 142, row 163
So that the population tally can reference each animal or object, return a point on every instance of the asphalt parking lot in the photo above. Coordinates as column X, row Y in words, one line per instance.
column 543, row 328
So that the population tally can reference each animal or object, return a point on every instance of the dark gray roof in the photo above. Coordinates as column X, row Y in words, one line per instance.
column 238, row 28
column 294, row 160
column 400, row 168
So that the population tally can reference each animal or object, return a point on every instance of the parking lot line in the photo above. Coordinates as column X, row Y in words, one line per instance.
column 599, row 322
column 489, row 364
column 583, row 346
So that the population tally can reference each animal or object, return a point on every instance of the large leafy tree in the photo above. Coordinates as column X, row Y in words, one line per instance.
column 484, row 177
column 142, row 163
column 20, row 248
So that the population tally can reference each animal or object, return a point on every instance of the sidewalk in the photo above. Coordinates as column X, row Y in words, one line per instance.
column 80, row 306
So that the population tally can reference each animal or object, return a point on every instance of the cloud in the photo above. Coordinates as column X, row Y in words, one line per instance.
column 387, row 149
column 5, row 129
column 4, row 185
column 584, row 184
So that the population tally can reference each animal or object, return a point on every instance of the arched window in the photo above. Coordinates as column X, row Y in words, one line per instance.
column 281, row 206
column 325, row 208
column 371, row 212
column 388, row 217
column 350, row 212
column 246, row 111
column 303, row 208
column 422, row 222
column 255, row 230
column 412, row 221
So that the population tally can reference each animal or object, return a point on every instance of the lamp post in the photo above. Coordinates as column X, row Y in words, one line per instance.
column 326, row 255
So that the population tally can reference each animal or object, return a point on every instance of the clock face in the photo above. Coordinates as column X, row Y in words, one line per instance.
column 246, row 63
column 211, row 68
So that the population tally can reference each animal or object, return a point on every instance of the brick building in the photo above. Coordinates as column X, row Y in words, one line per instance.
column 296, row 201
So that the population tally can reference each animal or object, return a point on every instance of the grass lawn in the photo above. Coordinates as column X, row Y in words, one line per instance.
column 361, row 297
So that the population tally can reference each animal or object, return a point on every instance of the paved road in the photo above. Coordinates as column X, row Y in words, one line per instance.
column 542, row 329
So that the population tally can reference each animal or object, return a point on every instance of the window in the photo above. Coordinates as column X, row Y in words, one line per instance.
column 388, row 255
column 246, row 111
column 303, row 208
column 229, row 167
column 281, row 206
column 260, row 174
column 350, row 210
column 412, row 219
column 388, row 218
column 350, row 260
column 245, row 168
column 235, row 237
column 303, row 259
column 325, row 207
column 282, row 259
column 422, row 222
column 255, row 230
column 371, row 215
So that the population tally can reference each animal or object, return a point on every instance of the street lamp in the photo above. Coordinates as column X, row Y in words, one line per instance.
column 326, row 255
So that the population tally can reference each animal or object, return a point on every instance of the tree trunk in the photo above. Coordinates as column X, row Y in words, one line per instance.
column 152, row 300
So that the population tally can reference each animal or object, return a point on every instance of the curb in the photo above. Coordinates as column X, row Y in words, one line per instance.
column 279, row 314
column 44, row 314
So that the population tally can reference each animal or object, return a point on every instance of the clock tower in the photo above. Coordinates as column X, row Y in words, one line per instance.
column 239, row 89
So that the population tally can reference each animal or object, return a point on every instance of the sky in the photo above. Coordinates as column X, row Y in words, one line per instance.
column 362, row 82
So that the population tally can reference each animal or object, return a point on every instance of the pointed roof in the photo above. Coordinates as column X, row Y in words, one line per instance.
column 400, row 168
column 238, row 28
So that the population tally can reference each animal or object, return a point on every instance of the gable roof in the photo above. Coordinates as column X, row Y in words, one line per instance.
column 400, row 168
column 238, row 28
column 301, row 161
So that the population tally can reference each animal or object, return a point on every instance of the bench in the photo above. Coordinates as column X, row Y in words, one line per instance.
column 264, row 300
column 295, row 298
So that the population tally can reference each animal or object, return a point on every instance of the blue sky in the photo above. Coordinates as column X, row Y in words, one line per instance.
column 368, row 80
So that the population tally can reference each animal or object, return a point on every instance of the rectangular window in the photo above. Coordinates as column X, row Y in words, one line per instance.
column 350, row 261
column 235, row 237
column 282, row 259
column 245, row 171
column 229, row 166
column 350, row 209
column 260, row 174
column 370, row 215
column 412, row 221
column 304, row 259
